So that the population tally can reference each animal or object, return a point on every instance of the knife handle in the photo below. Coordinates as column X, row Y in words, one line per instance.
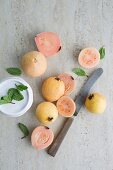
column 61, row 135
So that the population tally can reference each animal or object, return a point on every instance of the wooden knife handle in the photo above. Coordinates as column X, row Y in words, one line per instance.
column 61, row 135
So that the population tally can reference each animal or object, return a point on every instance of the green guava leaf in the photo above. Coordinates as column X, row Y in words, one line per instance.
column 79, row 72
column 24, row 129
column 21, row 87
column 102, row 52
column 14, row 71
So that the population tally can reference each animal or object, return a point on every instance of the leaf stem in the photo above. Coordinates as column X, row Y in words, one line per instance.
column 23, row 137
column 12, row 103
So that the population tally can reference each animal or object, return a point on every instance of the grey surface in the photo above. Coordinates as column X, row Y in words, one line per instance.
column 79, row 23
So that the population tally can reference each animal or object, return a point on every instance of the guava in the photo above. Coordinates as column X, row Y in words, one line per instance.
column 96, row 103
column 53, row 88
column 46, row 112
column 42, row 137
column 34, row 63
column 66, row 106
column 89, row 57
column 69, row 82
column 48, row 43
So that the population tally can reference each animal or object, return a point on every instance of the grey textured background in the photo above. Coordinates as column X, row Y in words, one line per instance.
column 79, row 23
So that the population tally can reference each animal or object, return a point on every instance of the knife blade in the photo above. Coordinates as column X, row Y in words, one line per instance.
column 80, row 99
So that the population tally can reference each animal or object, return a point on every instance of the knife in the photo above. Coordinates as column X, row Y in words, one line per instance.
column 80, row 99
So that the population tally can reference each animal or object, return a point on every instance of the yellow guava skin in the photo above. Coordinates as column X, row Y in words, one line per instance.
column 46, row 113
column 52, row 89
column 34, row 64
column 96, row 103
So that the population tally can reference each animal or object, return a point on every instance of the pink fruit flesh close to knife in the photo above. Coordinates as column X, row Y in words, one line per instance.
column 66, row 106
column 89, row 57
column 42, row 137
column 48, row 43
column 69, row 82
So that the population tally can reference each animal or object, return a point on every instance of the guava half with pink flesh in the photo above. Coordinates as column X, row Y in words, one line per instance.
column 66, row 106
column 42, row 137
column 89, row 57
column 69, row 82
column 48, row 43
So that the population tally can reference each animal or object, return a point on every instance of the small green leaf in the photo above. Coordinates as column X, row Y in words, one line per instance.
column 10, row 93
column 24, row 129
column 13, row 94
column 2, row 101
column 21, row 87
column 79, row 72
column 14, row 71
column 16, row 95
column 102, row 52
column 6, row 98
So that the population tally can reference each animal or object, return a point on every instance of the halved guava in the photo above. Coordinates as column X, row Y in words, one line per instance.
column 42, row 137
column 66, row 106
column 48, row 43
column 89, row 57
column 69, row 82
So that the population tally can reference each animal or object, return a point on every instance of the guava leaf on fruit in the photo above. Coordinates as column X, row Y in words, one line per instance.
column 14, row 71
